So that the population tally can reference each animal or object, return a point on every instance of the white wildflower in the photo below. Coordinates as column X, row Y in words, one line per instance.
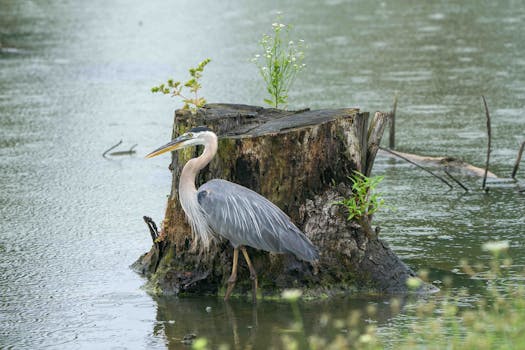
column 291, row 294
column 495, row 246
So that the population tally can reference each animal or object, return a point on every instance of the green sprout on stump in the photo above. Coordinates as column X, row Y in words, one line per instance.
column 174, row 88
column 279, row 63
column 364, row 201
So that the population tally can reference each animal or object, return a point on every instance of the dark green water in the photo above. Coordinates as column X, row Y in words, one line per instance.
column 75, row 79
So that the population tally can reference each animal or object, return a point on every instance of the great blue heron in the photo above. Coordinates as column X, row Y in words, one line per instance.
column 234, row 212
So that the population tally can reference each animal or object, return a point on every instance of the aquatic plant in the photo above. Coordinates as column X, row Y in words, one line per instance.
column 279, row 62
column 175, row 88
column 364, row 201
column 495, row 321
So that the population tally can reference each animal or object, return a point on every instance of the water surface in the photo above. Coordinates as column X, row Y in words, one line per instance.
column 75, row 79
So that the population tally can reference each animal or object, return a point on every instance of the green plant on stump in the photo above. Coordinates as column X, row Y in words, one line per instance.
column 279, row 63
column 364, row 201
column 175, row 88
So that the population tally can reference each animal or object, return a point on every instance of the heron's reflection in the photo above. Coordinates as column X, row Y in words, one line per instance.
column 240, row 324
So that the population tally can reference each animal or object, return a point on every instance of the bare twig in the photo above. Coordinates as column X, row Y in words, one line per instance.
column 111, row 148
column 456, row 181
column 488, row 143
column 419, row 166
column 518, row 160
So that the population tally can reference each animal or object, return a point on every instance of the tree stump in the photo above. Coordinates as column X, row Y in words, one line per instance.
column 301, row 162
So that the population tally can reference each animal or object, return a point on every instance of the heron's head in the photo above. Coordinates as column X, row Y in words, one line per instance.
column 200, row 135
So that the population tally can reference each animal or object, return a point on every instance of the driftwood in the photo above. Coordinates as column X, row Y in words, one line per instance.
column 300, row 161
column 446, row 163
column 399, row 155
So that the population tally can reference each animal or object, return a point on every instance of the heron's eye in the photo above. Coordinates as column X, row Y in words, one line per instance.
column 190, row 134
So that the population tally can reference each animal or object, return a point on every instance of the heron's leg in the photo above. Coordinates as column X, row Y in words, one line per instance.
column 253, row 274
column 233, row 276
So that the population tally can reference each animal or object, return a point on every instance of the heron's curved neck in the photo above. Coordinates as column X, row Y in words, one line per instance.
column 193, row 166
column 188, row 193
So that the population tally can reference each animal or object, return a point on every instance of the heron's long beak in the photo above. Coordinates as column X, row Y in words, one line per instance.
column 179, row 142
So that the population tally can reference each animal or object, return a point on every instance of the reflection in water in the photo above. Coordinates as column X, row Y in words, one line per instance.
column 242, row 325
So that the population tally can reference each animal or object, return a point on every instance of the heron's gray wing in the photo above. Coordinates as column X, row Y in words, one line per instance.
column 244, row 217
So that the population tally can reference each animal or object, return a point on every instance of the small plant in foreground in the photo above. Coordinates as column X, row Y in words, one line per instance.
column 279, row 63
column 453, row 321
column 364, row 201
column 174, row 88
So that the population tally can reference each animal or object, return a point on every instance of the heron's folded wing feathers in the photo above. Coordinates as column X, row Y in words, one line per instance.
column 244, row 217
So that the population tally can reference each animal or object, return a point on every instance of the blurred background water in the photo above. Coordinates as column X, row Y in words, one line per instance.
column 75, row 79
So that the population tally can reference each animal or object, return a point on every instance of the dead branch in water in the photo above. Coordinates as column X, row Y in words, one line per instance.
column 488, row 143
column 518, row 160
column 119, row 153
column 111, row 148
column 123, row 153
column 417, row 165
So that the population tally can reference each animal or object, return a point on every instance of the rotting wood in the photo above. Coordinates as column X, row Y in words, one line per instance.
column 301, row 162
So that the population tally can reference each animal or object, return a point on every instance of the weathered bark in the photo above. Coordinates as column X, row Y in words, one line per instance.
column 301, row 162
